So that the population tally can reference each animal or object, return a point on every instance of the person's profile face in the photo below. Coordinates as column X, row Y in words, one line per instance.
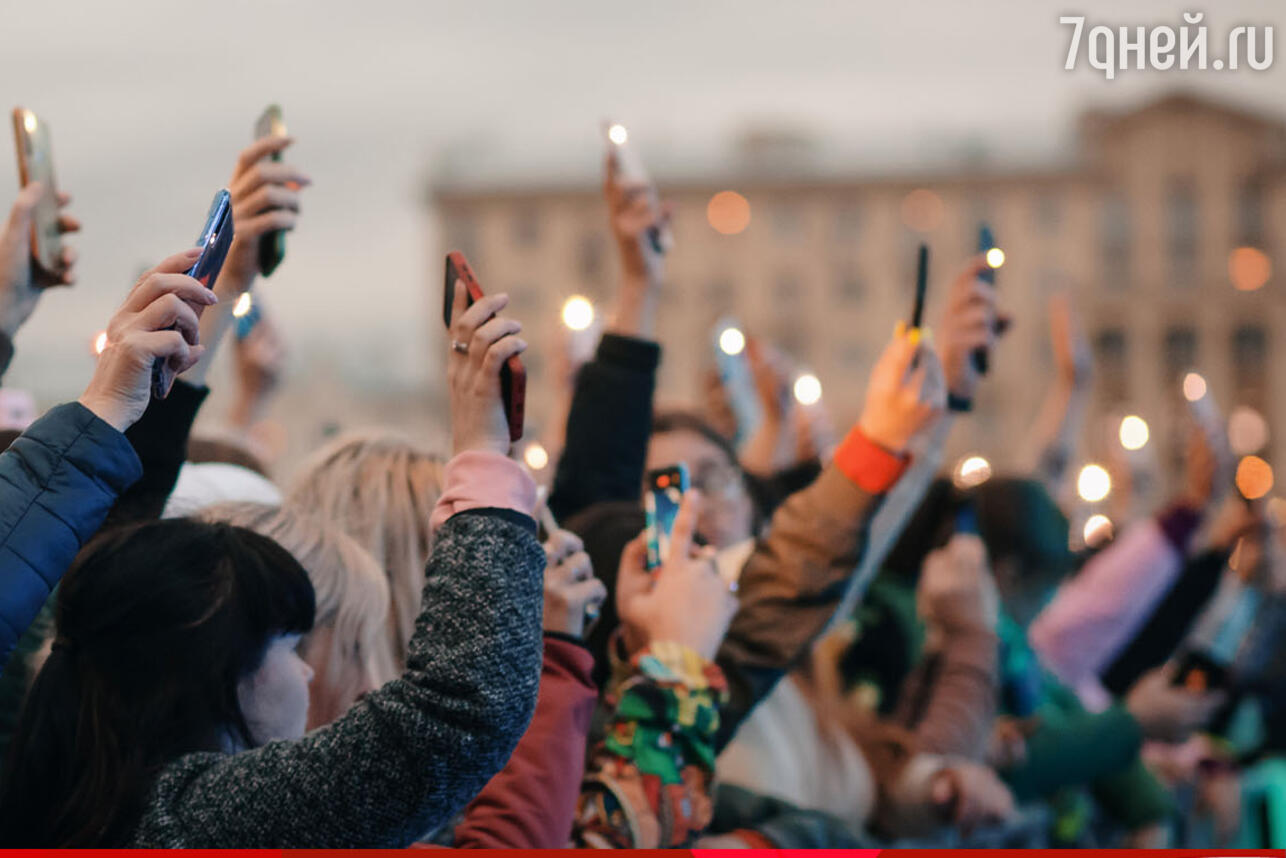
column 727, row 513
column 274, row 698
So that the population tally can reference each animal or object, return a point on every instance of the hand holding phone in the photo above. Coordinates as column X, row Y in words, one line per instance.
column 665, row 490
column 729, row 341
column 272, row 244
column 513, row 375
column 51, row 261
column 213, row 241
column 630, row 172
column 986, row 244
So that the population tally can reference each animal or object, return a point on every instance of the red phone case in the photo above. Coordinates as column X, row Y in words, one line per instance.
column 513, row 377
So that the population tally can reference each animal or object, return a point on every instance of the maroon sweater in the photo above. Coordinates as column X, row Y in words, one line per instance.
column 530, row 803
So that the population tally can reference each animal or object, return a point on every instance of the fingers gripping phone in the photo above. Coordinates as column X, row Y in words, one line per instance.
column 36, row 164
column 513, row 375
column 665, row 490
column 214, row 240
column 272, row 246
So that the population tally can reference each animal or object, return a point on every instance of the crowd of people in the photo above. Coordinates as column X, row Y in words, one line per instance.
column 841, row 647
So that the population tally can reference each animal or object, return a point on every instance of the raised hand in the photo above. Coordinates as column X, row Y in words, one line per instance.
column 572, row 593
column 477, row 413
column 685, row 601
column 140, row 333
column 20, row 281
column 903, row 395
column 968, row 322
column 265, row 198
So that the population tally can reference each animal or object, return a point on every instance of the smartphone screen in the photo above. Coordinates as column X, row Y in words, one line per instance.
column 734, row 374
column 665, row 488
column 513, row 375
column 272, row 246
column 921, row 286
column 36, row 164
column 214, row 240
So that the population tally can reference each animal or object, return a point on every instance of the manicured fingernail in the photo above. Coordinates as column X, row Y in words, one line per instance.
column 899, row 330
column 192, row 251
column 211, row 298
column 914, row 336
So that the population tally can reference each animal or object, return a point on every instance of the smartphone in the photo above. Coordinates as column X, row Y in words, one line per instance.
column 734, row 373
column 513, row 375
column 36, row 164
column 246, row 322
column 214, row 240
column 921, row 286
column 986, row 241
column 272, row 246
column 630, row 169
column 665, row 489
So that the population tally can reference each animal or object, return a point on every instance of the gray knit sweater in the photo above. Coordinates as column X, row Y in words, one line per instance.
column 409, row 755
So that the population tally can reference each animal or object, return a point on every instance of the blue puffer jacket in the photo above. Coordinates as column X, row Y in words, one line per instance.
column 57, row 483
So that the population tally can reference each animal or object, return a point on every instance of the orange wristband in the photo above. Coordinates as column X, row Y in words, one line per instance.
column 871, row 467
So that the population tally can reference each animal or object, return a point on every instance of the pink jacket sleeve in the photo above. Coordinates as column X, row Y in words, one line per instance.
column 531, row 802
column 1097, row 612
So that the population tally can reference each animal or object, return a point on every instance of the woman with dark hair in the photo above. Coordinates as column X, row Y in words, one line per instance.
column 173, row 710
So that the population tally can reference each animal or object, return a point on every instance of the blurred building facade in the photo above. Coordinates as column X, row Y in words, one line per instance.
column 1146, row 227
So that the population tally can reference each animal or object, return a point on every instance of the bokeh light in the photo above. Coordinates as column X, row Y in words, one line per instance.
column 1093, row 484
column 728, row 212
column 995, row 257
column 243, row 305
column 808, row 389
column 100, row 342
column 732, row 341
column 1134, row 432
column 578, row 313
column 1247, row 430
column 1249, row 268
column 1098, row 530
column 1194, row 387
column 617, row 134
column 1254, row 477
column 972, row 471
column 922, row 210
column 536, row 456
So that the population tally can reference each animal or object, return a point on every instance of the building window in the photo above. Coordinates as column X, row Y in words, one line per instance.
column 590, row 257
column 1115, row 239
column 1112, row 359
column 1182, row 233
column 526, row 226
column 786, row 291
column 848, row 222
column 1047, row 212
column 1250, row 214
column 787, row 221
column 462, row 235
column 1180, row 353
column 849, row 288
column 1250, row 363
column 719, row 293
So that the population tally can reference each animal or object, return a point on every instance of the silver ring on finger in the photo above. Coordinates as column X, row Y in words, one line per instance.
column 459, row 347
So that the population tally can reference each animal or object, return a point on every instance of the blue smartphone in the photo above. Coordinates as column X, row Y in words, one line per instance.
column 214, row 240
column 734, row 374
column 665, row 489
column 986, row 241
column 247, row 321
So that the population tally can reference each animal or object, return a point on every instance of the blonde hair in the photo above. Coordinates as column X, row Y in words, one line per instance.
column 352, row 595
column 381, row 489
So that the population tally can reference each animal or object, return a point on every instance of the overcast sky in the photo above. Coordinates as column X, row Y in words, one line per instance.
column 150, row 100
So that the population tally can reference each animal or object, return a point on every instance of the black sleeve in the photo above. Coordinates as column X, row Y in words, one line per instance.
column 160, row 438
column 768, row 492
column 608, row 427
column 6, row 354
